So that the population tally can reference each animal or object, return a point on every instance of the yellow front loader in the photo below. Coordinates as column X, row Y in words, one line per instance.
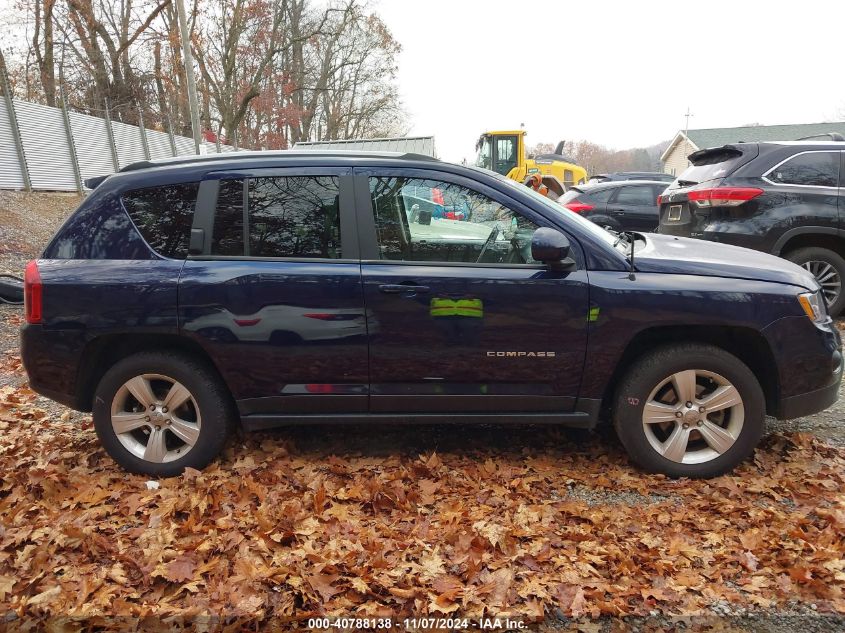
column 504, row 152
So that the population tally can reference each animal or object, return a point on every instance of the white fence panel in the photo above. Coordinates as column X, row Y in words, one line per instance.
column 93, row 150
column 48, row 155
column 184, row 146
column 11, row 176
column 127, row 139
column 159, row 144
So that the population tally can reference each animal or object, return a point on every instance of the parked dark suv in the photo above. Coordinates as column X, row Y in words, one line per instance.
column 780, row 198
column 188, row 296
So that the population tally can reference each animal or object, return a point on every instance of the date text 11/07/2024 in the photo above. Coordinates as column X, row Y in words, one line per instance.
column 487, row 624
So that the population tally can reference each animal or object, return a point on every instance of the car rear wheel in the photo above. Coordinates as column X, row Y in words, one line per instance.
column 689, row 410
column 157, row 413
column 828, row 267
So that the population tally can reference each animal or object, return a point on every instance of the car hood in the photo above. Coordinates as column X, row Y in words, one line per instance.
column 685, row 256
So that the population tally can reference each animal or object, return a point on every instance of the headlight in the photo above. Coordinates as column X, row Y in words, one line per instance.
column 814, row 305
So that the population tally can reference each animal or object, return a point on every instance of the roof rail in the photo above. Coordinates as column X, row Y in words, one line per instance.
column 833, row 136
column 244, row 155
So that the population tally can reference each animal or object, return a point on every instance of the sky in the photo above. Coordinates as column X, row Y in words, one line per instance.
column 621, row 74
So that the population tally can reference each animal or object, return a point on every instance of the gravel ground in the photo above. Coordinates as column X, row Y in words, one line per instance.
column 28, row 220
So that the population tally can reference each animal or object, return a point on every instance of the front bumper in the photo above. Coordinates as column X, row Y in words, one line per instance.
column 813, row 401
column 810, row 365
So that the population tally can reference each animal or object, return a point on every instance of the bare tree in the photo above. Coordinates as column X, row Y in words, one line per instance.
column 272, row 72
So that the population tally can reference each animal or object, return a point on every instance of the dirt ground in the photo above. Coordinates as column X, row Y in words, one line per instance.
column 557, row 530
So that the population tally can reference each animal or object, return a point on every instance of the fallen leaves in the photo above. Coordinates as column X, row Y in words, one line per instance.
column 180, row 569
column 527, row 524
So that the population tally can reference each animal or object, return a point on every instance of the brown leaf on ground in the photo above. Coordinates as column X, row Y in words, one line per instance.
column 373, row 521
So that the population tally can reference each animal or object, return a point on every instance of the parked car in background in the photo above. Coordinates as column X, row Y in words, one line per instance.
column 189, row 296
column 781, row 198
column 627, row 205
column 657, row 176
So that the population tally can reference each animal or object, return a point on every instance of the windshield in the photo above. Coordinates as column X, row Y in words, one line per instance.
column 482, row 159
column 711, row 164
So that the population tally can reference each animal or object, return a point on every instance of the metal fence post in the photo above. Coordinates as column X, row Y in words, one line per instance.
column 170, row 136
column 110, row 134
column 143, row 131
column 74, row 159
column 16, row 131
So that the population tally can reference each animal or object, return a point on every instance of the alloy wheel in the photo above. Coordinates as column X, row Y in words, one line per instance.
column 156, row 418
column 828, row 279
column 693, row 416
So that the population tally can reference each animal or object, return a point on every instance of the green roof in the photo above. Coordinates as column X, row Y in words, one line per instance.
column 717, row 136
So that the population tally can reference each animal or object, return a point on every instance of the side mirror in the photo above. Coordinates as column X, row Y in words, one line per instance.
column 549, row 246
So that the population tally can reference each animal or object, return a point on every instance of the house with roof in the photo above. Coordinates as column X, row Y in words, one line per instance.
column 674, row 159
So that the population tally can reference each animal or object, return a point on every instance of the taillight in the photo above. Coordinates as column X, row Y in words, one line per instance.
column 723, row 196
column 659, row 200
column 32, row 293
column 319, row 388
column 578, row 206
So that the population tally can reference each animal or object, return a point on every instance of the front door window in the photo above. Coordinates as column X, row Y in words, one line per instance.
column 425, row 220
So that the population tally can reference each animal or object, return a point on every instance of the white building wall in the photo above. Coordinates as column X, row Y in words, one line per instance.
column 676, row 162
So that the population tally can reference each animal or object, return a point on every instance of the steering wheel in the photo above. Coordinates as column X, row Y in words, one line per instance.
column 515, row 254
column 488, row 243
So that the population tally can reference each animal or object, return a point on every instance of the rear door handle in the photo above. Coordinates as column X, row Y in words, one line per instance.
column 395, row 289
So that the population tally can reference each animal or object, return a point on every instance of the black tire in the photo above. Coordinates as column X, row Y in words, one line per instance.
column 650, row 370
column 213, row 401
column 818, row 254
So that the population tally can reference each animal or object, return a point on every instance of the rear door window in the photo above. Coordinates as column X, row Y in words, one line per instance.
column 813, row 169
column 286, row 216
column 163, row 216
column 228, row 236
column 639, row 195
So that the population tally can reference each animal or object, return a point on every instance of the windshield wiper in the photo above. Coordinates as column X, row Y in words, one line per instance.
column 621, row 236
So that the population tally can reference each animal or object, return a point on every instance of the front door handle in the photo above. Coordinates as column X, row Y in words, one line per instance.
column 618, row 212
column 396, row 289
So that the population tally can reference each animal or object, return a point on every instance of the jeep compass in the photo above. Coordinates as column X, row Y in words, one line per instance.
column 190, row 296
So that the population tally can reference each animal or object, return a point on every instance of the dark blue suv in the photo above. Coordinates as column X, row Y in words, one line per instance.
column 187, row 297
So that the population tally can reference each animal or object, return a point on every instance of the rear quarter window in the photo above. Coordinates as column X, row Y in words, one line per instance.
column 596, row 195
column 163, row 216
column 100, row 229
column 811, row 169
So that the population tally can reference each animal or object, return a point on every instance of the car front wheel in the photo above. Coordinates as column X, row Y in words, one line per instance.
column 157, row 413
column 689, row 410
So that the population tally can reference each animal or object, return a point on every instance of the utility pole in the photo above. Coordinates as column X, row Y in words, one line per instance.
column 686, row 129
column 189, row 73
